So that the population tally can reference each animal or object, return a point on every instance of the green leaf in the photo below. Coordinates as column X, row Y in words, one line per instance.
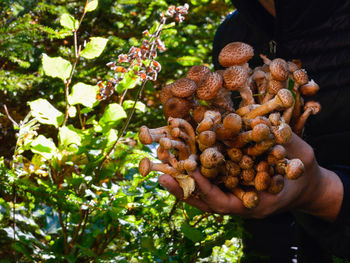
column 44, row 146
column 94, row 48
column 113, row 113
column 45, row 113
column 69, row 136
column 56, row 67
column 91, row 6
column 192, row 233
column 188, row 60
column 83, row 94
column 68, row 21
column 130, row 80
column 127, row 104
column 192, row 211
column 154, row 28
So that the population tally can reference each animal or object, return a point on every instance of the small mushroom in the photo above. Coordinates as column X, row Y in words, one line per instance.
column 250, row 199
column 309, row 89
column 177, row 108
column 211, row 158
column 311, row 107
column 165, row 94
column 146, row 166
column 149, row 136
column 276, row 185
column 279, row 69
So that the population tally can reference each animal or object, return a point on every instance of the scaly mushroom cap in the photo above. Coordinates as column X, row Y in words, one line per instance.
column 235, row 53
column 285, row 98
column 262, row 181
column 165, row 94
column 145, row 136
column 235, row 154
column 176, row 108
column 235, row 77
column 275, row 85
column 314, row 106
column 279, row 69
column 301, row 77
column 209, row 86
column 208, row 138
column 246, row 162
column 258, row 75
column 260, row 132
column 183, row 87
column 211, row 158
column 232, row 168
column 278, row 151
column 231, row 182
column 250, row 199
column 196, row 73
column 309, row 89
column 292, row 66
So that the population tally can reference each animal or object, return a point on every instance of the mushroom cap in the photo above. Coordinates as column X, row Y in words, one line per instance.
column 275, row 118
column 235, row 154
column 260, row 119
column 258, row 75
column 262, row 166
column 295, row 168
column 209, row 173
column 232, row 168
column 183, row 87
column 214, row 115
column 233, row 122
column 198, row 113
column 284, row 98
column 248, row 175
column 314, row 106
column 282, row 133
column 277, row 184
column 235, row 53
column 260, row 132
column 145, row 135
column 262, row 181
column 209, row 86
column 300, row 76
column 275, row 85
column 177, row 108
column 208, row 138
column 145, row 166
column 292, row 66
column 196, row 73
column 165, row 94
column 231, row 182
column 235, row 77
column 211, row 158
column 279, row 69
column 246, row 162
column 310, row 88
column 250, row 199
column 278, row 151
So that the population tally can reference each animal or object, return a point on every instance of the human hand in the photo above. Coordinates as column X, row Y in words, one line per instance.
column 318, row 192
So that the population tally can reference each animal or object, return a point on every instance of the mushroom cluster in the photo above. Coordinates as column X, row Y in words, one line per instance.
column 238, row 148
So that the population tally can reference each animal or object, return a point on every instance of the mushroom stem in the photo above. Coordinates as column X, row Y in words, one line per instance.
column 166, row 157
column 283, row 99
column 259, row 133
column 146, row 166
column 177, row 133
column 211, row 118
column 149, row 136
column 168, row 144
column 260, row 147
column 181, row 123
column 311, row 107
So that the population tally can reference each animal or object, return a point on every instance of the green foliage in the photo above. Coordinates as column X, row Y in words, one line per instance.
column 70, row 188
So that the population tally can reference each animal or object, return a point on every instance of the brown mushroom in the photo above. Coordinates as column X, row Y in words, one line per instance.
column 165, row 94
column 250, row 198
column 262, row 181
column 149, row 136
column 309, row 89
column 211, row 158
column 209, row 86
column 183, row 87
column 279, row 69
column 146, row 166
column 283, row 99
column 311, row 107
column 235, row 53
column 177, row 108
column 276, row 185
column 196, row 73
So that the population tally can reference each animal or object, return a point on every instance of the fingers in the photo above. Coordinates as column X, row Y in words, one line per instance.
column 298, row 148
column 173, row 187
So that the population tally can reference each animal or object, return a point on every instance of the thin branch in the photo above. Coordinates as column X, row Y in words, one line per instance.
column 9, row 117
column 64, row 232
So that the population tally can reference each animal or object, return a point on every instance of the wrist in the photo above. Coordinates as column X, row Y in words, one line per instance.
column 324, row 197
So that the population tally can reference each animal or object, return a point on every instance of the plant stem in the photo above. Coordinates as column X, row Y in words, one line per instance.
column 64, row 232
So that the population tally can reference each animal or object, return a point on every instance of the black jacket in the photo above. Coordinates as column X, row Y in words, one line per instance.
column 317, row 33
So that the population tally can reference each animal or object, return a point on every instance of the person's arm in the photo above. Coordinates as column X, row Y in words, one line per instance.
column 318, row 192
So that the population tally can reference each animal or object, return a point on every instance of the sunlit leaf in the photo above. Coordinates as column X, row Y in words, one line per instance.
column 44, row 146
column 56, row 67
column 113, row 113
column 94, row 48
column 69, row 22
column 130, row 80
column 45, row 113
column 69, row 136
column 127, row 104
column 83, row 94
column 91, row 5
column 188, row 60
